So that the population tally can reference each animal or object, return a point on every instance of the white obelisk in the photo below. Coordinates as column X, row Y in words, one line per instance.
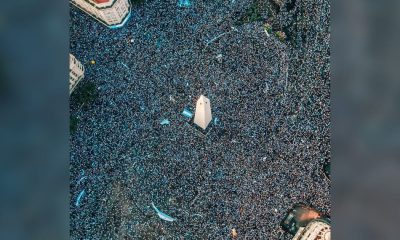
column 202, row 116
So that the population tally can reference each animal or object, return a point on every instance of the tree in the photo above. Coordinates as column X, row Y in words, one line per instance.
column 85, row 93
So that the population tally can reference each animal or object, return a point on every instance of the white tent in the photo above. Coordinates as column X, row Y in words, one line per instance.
column 202, row 116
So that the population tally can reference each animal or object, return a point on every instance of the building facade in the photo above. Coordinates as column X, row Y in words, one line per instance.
column 315, row 230
column 112, row 13
column 76, row 72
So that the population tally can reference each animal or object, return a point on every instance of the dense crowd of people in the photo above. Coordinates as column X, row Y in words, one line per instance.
column 262, row 156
